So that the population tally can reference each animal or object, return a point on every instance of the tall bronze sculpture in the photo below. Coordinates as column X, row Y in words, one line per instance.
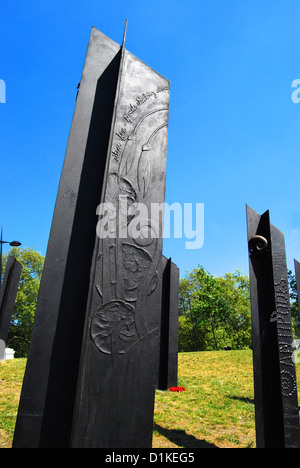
column 122, row 322
column 93, row 361
column 168, row 356
column 275, row 387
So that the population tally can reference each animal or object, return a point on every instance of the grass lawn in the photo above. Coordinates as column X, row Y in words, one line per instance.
column 216, row 410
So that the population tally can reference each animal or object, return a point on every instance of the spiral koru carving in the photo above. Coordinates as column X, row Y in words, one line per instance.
column 257, row 244
column 113, row 327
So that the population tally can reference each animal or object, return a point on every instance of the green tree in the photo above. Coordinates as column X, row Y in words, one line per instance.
column 235, row 290
column 186, row 335
column 191, row 335
column 24, row 311
column 294, row 302
column 210, row 308
column 214, row 312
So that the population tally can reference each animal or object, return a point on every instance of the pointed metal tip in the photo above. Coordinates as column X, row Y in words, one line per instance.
column 125, row 32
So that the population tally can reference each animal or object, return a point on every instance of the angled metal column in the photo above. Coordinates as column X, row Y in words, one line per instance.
column 119, row 360
column 297, row 271
column 47, row 399
column 8, row 294
column 275, row 388
column 168, row 360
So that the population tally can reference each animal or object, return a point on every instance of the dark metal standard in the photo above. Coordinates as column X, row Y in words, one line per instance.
column 8, row 293
column 93, row 361
column 119, row 361
column 275, row 388
column 168, row 360
column 47, row 398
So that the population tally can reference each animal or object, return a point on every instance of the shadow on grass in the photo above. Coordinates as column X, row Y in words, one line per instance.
column 181, row 438
column 244, row 399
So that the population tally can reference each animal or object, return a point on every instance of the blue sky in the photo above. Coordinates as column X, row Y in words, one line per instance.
column 234, row 131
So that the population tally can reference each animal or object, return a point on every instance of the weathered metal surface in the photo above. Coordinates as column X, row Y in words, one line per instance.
column 97, row 318
column 119, row 363
column 47, row 399
column 275, row 388
column 168, row 361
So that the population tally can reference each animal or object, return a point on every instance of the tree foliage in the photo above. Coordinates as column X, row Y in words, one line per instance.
column 25, row 305
column 214, row 312
column 294, row 305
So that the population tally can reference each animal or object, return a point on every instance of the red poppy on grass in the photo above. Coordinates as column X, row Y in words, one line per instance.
column 176, row 389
